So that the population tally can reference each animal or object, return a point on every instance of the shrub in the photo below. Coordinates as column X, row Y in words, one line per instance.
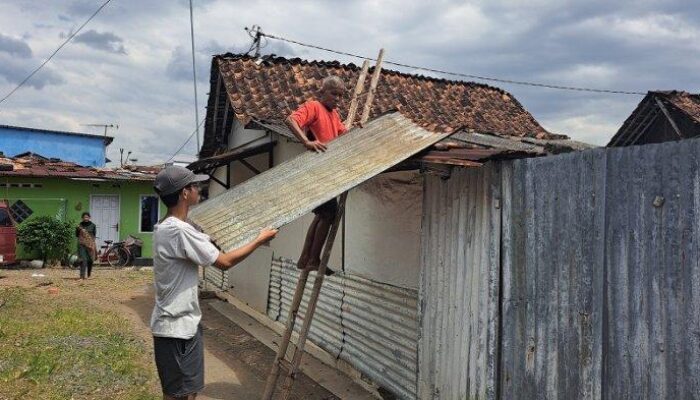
column 46, row 235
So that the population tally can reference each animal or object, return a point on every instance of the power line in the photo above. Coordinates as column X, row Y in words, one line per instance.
column 55, row 52
column 186, row 141
column 469, row 76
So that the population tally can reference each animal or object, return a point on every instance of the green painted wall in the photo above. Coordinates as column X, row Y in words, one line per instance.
column 68, row 199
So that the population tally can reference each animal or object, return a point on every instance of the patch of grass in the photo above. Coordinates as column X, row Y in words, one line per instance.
column 61, row 348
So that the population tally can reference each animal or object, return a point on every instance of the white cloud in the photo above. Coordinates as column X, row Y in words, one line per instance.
column 628, row 44
column 586, row 75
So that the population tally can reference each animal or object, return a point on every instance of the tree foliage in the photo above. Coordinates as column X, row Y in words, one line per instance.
column 47, row 236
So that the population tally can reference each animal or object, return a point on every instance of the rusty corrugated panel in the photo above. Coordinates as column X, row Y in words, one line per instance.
column 459, row 285
column 292, row 189
column 497, row 142
column 372, row 326
column 39, row 167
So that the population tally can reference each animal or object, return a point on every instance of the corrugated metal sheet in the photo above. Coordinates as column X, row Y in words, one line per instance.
column 497, row 142
column 599, row 277
column 653, row 272
column 552, row 254
column 326, row 330
column 370, row 325
column 522, row 144
column 36, row 166
column 284, row 193
column 216, row 277
column 459, row 285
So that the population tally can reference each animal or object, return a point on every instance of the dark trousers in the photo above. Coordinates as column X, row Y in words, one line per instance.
column 85, row 261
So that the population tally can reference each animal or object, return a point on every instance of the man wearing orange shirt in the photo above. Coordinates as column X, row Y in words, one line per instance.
column 316, row 123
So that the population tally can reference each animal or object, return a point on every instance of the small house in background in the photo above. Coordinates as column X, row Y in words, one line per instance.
column 120, row 200
column 80, row 148
column 661, row 116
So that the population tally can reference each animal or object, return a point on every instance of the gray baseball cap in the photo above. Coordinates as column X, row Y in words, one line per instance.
column 173, row 178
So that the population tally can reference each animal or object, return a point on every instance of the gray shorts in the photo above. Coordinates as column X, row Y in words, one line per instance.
column 180, row 364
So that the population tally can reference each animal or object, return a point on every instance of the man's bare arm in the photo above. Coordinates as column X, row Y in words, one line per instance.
column 313, row 145
column 233, row 257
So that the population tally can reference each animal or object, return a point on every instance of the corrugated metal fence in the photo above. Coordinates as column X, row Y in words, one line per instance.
column 370, row 325
column 597, row 287
column 552, row 299
column 459, row 296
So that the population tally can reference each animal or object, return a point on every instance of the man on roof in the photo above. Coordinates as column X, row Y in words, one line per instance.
column 315, row 123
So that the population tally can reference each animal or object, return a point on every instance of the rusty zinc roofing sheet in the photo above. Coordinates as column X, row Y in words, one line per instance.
column 290, row 190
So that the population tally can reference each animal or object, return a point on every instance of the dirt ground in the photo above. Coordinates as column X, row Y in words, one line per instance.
column 236, row 364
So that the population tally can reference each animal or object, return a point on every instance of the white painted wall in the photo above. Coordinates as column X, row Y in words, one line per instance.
column 383, row 229
column 240, row 136
column 383, row 219
column 215, row 188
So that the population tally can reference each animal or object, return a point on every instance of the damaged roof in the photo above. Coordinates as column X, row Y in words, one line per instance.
column 36, row 166
column 265, row 90
column 660, row 116
column 687, row 102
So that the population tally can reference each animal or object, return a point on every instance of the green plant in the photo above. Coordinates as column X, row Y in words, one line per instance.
column 46, row 235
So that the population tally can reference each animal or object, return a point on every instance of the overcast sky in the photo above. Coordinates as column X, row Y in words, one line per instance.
column 131, row 65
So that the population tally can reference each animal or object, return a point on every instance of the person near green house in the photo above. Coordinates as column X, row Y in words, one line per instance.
column 87, row 249
column 178, row 251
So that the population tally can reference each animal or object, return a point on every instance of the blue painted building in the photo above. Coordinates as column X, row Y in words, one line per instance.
column 81, row 148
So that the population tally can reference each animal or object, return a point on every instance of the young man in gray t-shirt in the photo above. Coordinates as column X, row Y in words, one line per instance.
column 178, row 251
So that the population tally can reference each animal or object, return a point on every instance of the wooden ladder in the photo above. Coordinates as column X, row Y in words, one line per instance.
column 280, row 363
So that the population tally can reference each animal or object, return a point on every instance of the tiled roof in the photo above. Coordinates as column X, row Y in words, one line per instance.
column 270, row 88
column 36, row 166
column 684, row 101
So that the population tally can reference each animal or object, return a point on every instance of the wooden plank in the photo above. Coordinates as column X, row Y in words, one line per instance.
column 668, row 117
column 249, row 166
column 372, row 87
column 358, row 90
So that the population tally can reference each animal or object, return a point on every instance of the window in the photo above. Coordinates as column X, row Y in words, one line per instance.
column 20, row 211
column 149, row 213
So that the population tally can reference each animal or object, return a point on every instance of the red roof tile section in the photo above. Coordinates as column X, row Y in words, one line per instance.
column 35, row 166
column 268, row 89
column 684, row 101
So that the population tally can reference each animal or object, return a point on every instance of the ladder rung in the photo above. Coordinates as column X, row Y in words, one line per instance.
column 286, row 365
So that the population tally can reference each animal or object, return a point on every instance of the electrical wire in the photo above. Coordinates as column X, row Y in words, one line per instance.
column 462, row 75
column 186, row 141
column 71, row 36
